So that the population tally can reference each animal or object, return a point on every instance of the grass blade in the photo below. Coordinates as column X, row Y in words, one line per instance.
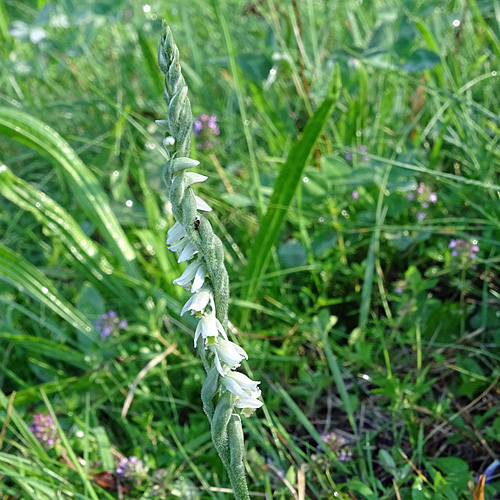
column 87, row 191
column 85, row 253
column 26, row 277
column 284, row 190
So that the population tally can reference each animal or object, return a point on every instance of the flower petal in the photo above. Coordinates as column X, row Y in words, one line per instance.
column 188, row 252
column 175, row 233
column 197, row 302
column 201, row 205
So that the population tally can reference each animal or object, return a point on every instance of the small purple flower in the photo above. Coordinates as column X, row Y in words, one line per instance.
column 130, row 469
column 425, row 204
column 44, row 429
column 363, row 149
column 355, row 194
column 205, row 127
column 398, row 290
column 335, row 443
column 490, row 471
column 421, row 215
column 464, row 249
column 197, row 128
column 110, row 324
column 433, row 198
column 410, row 197
column 348, row 156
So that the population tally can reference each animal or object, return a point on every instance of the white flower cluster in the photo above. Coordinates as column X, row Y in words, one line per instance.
column 227, row 354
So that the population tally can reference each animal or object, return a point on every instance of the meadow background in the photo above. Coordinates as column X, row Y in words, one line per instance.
column 372, row 312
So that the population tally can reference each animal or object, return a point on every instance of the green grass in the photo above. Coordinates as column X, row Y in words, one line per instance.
column 408, row 378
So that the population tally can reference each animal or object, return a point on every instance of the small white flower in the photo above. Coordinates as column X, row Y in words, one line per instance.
column 228, row 352
column 197, row 302
column 201, row 205
column 209, row 326
column 186, row 249
column 179, row 246
column 188, row 252
column 245, row 389
column 194, row 273
column 175, row 233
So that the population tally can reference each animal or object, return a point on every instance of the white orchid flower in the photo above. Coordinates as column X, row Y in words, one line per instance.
column 175, row 233
column 209, row 326
column 229, row 353
column 194, row 273
column 197, row 302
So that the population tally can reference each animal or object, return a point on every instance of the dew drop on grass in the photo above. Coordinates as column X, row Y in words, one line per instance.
column 129, row 203
column 493, row 73
column 3, row 168
column 116, row 173
column 45, row 289
column 305, row 179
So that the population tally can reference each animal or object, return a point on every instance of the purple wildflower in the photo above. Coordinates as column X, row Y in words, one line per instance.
column 110, row 324
column 422, row 195
column 335, row 443
column 490, row 471
column 205, row 127
column 130, row 469
column 348, row 156
column 363, row 149
column 44, row 429
column 464, row 249
column 398, row 290
column 355, row 194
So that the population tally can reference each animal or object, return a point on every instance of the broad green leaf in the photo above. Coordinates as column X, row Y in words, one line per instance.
column 84, row 185
column 421, row 59
column 284, row 190
column 26, row 277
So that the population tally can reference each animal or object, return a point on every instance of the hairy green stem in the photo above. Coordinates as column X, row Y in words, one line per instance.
column 218, row 403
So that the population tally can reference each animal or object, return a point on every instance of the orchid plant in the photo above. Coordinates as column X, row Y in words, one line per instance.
column 226, row 393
